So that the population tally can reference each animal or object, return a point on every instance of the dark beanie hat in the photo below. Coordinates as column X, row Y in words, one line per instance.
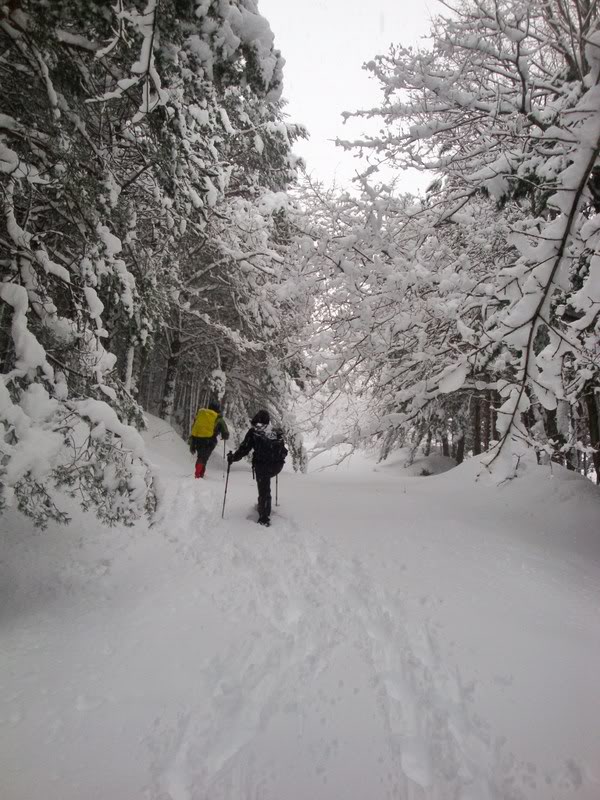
column 261, row 418
column 214, row 406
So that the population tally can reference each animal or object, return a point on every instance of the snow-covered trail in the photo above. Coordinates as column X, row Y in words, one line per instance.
column 387, row 637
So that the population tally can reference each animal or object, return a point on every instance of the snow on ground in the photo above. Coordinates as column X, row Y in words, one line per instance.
column 390, row 636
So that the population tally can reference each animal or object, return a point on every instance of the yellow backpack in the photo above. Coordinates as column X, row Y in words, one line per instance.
column 204, row 424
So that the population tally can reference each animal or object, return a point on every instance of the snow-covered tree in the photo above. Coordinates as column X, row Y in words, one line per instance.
column 227, row 309
column 504, row 111
column 123, row 128
column 59, row 253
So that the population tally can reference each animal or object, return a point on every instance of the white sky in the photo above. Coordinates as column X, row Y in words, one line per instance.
column 325, row 43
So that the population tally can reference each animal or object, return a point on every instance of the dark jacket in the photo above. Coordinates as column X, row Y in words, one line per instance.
column 261, row 457
column 246, row 447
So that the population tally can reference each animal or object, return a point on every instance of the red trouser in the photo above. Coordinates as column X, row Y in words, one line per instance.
column 203, row 448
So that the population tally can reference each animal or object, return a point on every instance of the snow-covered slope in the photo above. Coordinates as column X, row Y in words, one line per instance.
column 388, row 637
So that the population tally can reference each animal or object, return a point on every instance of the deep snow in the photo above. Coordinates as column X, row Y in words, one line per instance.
column 389, row 636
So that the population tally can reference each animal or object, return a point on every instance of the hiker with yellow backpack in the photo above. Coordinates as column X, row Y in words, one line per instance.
column 207, row 426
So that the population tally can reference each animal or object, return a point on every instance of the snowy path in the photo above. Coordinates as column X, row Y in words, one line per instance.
column 317, row 633
column 385, row 638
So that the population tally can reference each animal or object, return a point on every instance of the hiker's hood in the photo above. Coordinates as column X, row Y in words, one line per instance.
column 266, row 430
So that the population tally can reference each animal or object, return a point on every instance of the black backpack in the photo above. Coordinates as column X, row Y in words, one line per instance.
column 270, row 451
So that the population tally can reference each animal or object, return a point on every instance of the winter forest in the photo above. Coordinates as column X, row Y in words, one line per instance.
column 432, row 357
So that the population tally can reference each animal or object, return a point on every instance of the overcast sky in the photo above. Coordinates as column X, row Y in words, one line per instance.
column 325, row 43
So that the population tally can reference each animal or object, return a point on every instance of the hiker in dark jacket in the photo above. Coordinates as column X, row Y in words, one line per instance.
column 268, row 456
column 208, row 424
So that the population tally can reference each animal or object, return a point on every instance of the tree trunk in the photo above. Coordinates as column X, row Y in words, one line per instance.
column 142, row 389
column 193, row 404
column 552, row 432
column 445, row 447
column 460, row 449
column 170, row 385
column 487, row 420
column 571, row 454
column 427, row 448
column 6, row 341
column 594, row 428
column 495, row 403
column 477, row 426
column 129, row 368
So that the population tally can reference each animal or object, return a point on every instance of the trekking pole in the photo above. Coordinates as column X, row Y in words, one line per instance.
column 276, row 490
column 225, row 495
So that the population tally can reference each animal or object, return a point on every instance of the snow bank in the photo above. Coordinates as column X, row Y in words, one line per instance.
column 422, row 466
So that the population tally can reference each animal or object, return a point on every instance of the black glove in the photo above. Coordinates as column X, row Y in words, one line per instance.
column 230, row 458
